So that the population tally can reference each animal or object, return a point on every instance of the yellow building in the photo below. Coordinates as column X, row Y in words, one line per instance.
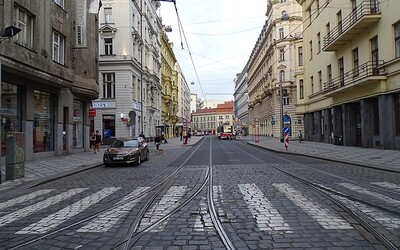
column 351, row 92
column 169, row 87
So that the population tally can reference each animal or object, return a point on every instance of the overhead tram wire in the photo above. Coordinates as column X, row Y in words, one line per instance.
column 187, row 45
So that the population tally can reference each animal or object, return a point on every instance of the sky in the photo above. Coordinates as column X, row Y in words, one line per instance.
column 220, row 36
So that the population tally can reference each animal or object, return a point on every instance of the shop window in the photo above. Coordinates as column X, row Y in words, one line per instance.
column 10, row 112
column 109, row 126
column 43, row 123
column 78, row 124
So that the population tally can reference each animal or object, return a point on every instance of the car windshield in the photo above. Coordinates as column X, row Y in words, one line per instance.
column 125, row 144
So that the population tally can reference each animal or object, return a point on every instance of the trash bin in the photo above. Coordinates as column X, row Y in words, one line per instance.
column 338, row 140
column 15, row 155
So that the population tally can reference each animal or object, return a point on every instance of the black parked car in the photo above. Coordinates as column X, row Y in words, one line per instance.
column 125, row 151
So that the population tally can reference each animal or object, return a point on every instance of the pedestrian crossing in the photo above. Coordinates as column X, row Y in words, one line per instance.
column 269, row 214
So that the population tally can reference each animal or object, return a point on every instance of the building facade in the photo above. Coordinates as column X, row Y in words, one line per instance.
column 351, row 73
column 129, row 70
column 183, row 101
column 207, row 120
column 271, row 71
column 169, row 87
column 241, row 102
column 48, row 75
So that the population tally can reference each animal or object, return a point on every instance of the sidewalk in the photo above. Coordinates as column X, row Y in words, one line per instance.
column 367, row 157
column 55, row 167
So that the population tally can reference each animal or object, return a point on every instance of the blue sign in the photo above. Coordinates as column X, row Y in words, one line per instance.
column 286, row 130
column 107, row 133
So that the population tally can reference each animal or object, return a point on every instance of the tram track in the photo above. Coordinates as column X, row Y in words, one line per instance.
column 332, row 195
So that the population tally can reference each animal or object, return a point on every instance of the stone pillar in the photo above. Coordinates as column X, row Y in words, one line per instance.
column 386, row 104
column 367, row 122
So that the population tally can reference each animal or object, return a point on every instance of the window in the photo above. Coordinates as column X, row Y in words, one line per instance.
column 353, row 11
column 285, row 97
column 397, row 38
column 300, row 51
column 282, row 76
column 329, row 73
column 328, row 31
column 341, row 71
column 319, row 42
column 309, row 16
column 108, row 85
column 24, row 21
column 281, row 33
column 311, row 52
column 397, row 114
column 312, row 84
column 43, row 121
column 374, row 52
column 301, row 84
column 355, row 63
column 320, row 80
column 59, row 2
column 58, row 47
column 339, row 21
column 108, row 46
column 108, row 15
column 281, row 54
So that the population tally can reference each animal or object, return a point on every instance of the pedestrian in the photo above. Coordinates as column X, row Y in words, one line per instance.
column 92, row 139
column 189, row 135
column 157, row 141
column 142, row 135
column 180, row 134
column 300, row 135
column 163, row 138
column 99, row 141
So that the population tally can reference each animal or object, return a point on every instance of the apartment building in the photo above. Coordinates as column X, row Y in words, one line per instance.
column 183, row 101
column 129, row 69
column 351, row 72
column 271, row 71
column 48, row 75
column 241, row 102
column 208, row 120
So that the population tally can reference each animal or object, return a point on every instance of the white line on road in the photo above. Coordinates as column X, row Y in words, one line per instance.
column 55, row 219
column 24, row 198
column 24, row 212
column 108, row 219
column 167, row 203
column 266, row 216
column 323, row 216
column 375, row 195
column 393, row 186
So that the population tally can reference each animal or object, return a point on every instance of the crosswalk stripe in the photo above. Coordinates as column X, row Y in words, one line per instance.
column 386, row 219
column 393, row 186
column 167, row 203
column 323, row 216
column 55, row 219
column 375, row 195
column 24, row 198
column 266, row 216
column 108, row 219
column 24, row 212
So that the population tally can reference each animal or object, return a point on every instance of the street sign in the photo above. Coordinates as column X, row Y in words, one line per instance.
column 286, row 130
column 92, row 112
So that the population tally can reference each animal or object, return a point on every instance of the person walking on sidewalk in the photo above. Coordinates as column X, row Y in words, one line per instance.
column 99, row 141
column 300, row 135
column 92, row 140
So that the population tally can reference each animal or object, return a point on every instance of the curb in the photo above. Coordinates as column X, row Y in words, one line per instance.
column 325, row 158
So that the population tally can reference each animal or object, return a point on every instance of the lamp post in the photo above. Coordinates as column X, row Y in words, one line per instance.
column 281, row 110
column 9, row 32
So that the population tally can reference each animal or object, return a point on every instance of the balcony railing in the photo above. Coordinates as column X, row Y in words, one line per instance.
column 360, row 18
column 360, row 74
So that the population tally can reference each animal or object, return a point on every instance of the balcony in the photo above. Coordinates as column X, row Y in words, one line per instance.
column 360, row 19
column 367, row 73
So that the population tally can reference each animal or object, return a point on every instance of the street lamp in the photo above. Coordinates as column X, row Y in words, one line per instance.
column 281, row 110
column 9, row 32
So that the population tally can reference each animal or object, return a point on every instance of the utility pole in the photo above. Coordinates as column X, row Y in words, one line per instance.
column 141, row 66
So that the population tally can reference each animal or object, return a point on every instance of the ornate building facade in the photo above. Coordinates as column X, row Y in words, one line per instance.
column 271, row 71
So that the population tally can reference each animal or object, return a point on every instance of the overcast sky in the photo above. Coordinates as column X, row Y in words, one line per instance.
column 220, row 34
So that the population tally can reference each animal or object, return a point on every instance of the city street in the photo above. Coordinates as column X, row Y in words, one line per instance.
column 216, row 194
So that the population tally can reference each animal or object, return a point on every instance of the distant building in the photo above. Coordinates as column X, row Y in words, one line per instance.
column 48, row 75
column 241, row 102
column 209, row 119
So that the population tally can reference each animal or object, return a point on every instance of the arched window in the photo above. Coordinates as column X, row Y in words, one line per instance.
column 282, row 76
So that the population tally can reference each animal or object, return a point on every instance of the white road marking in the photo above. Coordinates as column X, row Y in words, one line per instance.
column 108, row 219
column 323, row 216
column 266, row 216
column 55, row 219
column 386, row 219
column 24, row 212
column 375, row 195
column 24, row 198
column 167, row 203
column 393, row 186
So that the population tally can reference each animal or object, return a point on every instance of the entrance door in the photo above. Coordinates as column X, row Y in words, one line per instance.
column 358, row 124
